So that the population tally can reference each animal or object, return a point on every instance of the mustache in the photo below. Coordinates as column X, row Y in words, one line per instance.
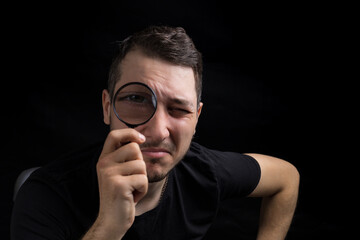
column 169, row 146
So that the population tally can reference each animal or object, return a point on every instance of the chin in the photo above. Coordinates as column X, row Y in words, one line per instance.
column 152, row 178
column 158, row 168
column 156, row 175
column 156, row 171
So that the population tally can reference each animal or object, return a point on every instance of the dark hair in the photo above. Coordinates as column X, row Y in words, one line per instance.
column 171, row 44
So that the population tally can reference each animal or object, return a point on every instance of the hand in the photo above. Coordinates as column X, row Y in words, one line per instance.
column 122, row 180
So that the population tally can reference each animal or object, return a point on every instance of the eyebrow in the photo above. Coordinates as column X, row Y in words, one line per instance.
column 182, row 101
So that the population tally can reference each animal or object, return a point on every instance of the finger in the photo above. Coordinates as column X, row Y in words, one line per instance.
column 131, row 168
column 128, row 152
column 120, row 137
column 139, row 183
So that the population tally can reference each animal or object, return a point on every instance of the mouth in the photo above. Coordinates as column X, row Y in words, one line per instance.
column 155, row 152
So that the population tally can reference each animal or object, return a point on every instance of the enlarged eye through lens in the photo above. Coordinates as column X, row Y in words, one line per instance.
column 134, row 104
column 133, row 97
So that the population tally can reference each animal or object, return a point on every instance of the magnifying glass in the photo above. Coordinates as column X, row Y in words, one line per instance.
column 134, row 104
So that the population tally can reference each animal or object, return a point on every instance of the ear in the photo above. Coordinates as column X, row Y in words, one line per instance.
column 198, row 114
column 106, row 104
column 199, row 109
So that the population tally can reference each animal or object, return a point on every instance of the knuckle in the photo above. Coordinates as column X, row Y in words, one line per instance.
column 101, row 164
column 142, row 164
column 139, row 166
column 132, row 133
column 112, row 134
column 143, row 178
column 103, row 171
column 134, row 146
column 134, row 150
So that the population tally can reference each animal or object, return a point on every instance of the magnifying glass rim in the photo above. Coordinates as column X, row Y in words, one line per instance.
column 122, row 87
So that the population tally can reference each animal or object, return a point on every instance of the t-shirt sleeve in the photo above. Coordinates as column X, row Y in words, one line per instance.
column 34, row 215
column 238, row 174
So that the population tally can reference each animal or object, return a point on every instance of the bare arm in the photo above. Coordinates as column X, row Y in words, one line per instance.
column 278, row 186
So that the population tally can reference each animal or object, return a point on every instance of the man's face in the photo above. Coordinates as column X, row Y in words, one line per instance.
column 170, row 131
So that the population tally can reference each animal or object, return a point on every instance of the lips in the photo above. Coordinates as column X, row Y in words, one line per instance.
column 155, row 152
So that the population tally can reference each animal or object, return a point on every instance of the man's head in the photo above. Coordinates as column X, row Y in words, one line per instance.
column 166, row 60
column 170, row 44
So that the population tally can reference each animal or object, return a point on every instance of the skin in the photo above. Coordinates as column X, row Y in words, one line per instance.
column 134, row 162
column 278, row 186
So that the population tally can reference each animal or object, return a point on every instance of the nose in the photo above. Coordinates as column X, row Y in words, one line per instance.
column 157, row 129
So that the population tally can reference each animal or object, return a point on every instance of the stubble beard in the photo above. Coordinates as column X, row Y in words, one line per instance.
column 157, row 177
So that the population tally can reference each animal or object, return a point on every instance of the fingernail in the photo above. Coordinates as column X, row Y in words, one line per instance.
column 142, row 137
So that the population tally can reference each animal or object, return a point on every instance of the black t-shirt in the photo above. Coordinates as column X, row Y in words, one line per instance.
column 61, row 200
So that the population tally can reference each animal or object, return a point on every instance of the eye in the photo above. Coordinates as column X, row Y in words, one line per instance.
column 133, row 98
column 179, row 112
column 182, row 110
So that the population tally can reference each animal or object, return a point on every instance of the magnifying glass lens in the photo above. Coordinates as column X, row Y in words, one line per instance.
column 135, row 104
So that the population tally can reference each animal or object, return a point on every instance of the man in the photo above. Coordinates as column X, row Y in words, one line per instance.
column 151, row 181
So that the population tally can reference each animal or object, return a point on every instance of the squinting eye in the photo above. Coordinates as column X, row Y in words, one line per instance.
column 182, row 110
column 179, row 112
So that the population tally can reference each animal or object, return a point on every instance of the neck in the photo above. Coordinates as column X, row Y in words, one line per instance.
column 152, row 197
column 154, row 188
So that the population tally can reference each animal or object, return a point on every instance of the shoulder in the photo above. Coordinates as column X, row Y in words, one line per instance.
column 61, row 194
column 276, row 174
column 74, row 164
column 218, row 158
column 70, row 170
column 72, row 177
column 236, row 174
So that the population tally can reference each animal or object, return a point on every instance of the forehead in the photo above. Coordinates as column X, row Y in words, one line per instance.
column 167, row 80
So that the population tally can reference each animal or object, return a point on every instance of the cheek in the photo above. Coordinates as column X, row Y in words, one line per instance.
column 182, row 133
column 115, row 123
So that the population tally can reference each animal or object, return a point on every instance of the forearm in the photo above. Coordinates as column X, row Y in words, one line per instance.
column 278, row 186
column 276, row 214
column 100, row 230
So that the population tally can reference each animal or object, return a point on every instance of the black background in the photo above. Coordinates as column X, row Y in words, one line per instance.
column 276, row 81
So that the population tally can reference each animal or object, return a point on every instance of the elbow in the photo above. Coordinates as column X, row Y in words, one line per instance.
column 295, row 175
column 291, row 180
column 288, row 180
column 277, row 176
